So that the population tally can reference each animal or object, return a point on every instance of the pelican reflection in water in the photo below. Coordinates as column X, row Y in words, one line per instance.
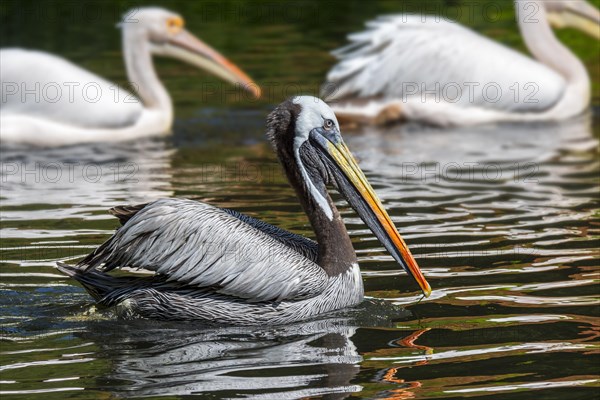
column 311, row 358
column 79, row 106
column 220, row 266
column 439, row 72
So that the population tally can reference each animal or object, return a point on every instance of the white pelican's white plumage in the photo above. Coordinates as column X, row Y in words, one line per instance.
column 429, row 69
column 48, row 100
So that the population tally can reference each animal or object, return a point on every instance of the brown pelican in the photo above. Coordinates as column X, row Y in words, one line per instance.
column 436, row 71
column 220, row 266
column 47, row 100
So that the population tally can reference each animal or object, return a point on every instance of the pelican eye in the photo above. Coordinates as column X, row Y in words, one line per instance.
column 328, row 124
column 175, row 25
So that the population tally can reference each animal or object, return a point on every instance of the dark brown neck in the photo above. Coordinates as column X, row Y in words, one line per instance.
column 336, row 254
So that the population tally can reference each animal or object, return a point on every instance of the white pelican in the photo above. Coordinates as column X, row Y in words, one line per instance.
column 439, row 72
column 221, row 266
column 47, row 100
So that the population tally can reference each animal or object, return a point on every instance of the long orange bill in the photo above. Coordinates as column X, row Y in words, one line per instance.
column 363, row 199
column 189, row 48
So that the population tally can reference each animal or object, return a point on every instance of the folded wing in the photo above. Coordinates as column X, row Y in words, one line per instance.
column 62, row 92
column 203, row 246
column 406, row 56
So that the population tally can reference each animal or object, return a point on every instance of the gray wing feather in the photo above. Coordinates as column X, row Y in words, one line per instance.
column 207, row 247
column 301, row 244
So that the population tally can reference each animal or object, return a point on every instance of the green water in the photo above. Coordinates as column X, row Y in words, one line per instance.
column 503, row 220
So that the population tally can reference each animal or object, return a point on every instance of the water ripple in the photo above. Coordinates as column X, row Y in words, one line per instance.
column 512, row 258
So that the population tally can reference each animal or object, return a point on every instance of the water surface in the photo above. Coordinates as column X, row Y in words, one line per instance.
column 502, row 219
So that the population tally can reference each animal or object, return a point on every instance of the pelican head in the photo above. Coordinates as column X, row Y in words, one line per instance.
column 574, row 14
column 164, row 31
column 313, row 146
